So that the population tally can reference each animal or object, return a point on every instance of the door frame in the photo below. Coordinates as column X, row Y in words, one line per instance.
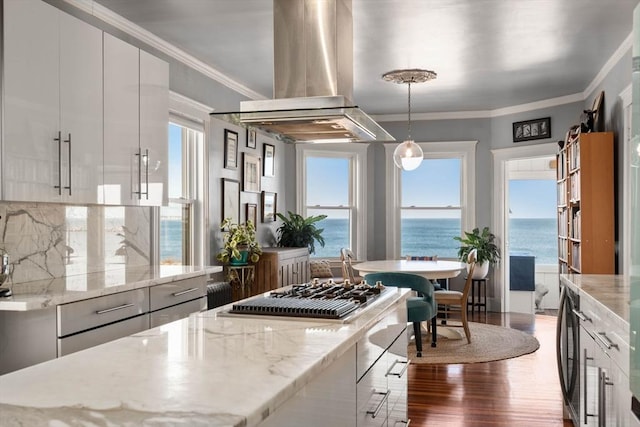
column 500, row 209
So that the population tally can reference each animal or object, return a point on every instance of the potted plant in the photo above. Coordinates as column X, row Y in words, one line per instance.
column 239, row 243
column 487, row 251
column 299, row 232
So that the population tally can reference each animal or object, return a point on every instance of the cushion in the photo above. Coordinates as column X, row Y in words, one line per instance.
column 422, row 258
column 320, row 268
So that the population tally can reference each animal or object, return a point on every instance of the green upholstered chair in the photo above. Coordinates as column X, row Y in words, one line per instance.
column 419, row 308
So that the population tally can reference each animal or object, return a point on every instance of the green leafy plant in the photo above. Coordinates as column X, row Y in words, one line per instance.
column 298, row 232
column 483, row 242
column 238, row 237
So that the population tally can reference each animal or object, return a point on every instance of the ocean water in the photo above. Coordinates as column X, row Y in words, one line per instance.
column 536, row 236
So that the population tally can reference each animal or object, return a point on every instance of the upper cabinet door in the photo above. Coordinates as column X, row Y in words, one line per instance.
column 122, row 155
column 80, row 109
column 53, row 105
column 154, row 129
column 30, row 168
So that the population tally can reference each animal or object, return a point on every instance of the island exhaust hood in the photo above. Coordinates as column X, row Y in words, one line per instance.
column 313, row 77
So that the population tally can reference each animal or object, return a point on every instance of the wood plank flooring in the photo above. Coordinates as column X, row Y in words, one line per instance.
column 523, row 391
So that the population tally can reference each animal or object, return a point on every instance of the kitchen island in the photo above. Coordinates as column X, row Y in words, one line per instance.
column 217, row 369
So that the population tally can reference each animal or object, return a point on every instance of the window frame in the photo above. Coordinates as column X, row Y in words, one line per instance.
column 193, row 115
column 357, row 155
column 463, row 150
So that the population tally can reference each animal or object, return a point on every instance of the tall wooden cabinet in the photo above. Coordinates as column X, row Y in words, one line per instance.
column 280, row 267
column 586, row 218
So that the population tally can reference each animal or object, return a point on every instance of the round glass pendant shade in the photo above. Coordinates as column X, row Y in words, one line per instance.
column 408, row 155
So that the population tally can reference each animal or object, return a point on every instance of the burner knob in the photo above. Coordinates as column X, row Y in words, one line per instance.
column 347, row 284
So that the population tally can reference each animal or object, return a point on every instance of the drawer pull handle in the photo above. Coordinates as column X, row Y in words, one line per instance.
column 401, row 373
column 177, row 294
column 375, row 412
column 604, row 339
column 120, row 307
column 580, row 315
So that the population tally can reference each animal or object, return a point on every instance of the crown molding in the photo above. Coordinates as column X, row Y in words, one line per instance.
column 484, row 114
column 122, row 24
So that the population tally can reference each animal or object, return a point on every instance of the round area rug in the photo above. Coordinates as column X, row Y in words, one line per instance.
column 488, row 343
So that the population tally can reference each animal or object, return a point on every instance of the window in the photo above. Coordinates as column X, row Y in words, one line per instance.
column 430, row 214
column 177, row 219
column 329, row 179
column 432, row 204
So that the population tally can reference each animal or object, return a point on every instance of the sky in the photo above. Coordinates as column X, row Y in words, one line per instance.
column 435, row 183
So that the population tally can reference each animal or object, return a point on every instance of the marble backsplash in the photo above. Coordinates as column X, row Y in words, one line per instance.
column 48, row 240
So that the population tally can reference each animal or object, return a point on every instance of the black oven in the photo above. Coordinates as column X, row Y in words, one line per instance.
column 568, row 350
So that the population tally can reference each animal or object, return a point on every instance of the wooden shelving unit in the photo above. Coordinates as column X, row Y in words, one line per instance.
column 586, row 218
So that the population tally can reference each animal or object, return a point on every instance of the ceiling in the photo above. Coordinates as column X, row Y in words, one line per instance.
column 488, row 54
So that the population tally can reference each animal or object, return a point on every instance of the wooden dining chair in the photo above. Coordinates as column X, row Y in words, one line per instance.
column 420, row 308
column 455, row 302
column 346, row 256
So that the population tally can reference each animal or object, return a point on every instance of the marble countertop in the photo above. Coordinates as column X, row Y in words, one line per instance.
column 209, row 369
column 47, row 293
column 611, row 291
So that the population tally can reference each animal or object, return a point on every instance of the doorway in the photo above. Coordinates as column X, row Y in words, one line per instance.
column 504, row 171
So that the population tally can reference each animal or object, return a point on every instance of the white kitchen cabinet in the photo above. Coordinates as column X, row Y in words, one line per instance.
column 53, row 105
column 604, row 364
column 154, row 130
column 136, row 120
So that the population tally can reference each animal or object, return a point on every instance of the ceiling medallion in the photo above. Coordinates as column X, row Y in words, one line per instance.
column 412, row 75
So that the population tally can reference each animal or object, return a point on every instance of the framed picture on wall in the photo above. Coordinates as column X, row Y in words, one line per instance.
column 230, row 149
column 231, row 199
column 251, row 138
column 269, row 154
column 251, row 173
column 269, row 206
column 532, row 129
column 252, row 213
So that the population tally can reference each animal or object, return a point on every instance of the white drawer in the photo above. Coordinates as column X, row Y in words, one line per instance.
column 177, row 292
column 94, row 312
column 372, row 395
column 102, row 335
column 176, row 312
column 379, row 338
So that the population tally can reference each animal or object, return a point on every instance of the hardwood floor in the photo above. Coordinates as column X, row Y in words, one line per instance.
column 523, row 391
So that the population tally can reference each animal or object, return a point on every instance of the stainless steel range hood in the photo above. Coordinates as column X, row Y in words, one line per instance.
column 313, row 77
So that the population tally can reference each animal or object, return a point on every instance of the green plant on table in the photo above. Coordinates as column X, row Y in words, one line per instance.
column 237, row 238
column 299, row 232
column 483, row 242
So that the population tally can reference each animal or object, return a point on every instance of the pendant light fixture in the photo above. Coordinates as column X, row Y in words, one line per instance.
column 408, row 155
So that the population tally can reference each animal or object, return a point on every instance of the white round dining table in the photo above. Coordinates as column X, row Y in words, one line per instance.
column 429, row 269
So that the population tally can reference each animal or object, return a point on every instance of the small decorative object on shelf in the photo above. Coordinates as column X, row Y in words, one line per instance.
column 239, row 243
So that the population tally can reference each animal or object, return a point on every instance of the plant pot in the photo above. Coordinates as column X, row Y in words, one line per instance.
column 480, row 271
column 242, row 260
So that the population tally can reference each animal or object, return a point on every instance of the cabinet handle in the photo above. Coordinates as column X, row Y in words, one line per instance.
column 584, row 396
column 146, row 172
column 177, row 294
column 580, row 315
column 120, row 307
column 605, row 341
column 401, row 373
column 603, row 382
column 59, row 141
column 375, row 412
column 68, row 141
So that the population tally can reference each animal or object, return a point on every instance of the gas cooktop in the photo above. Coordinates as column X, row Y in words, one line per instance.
column 311, row 300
